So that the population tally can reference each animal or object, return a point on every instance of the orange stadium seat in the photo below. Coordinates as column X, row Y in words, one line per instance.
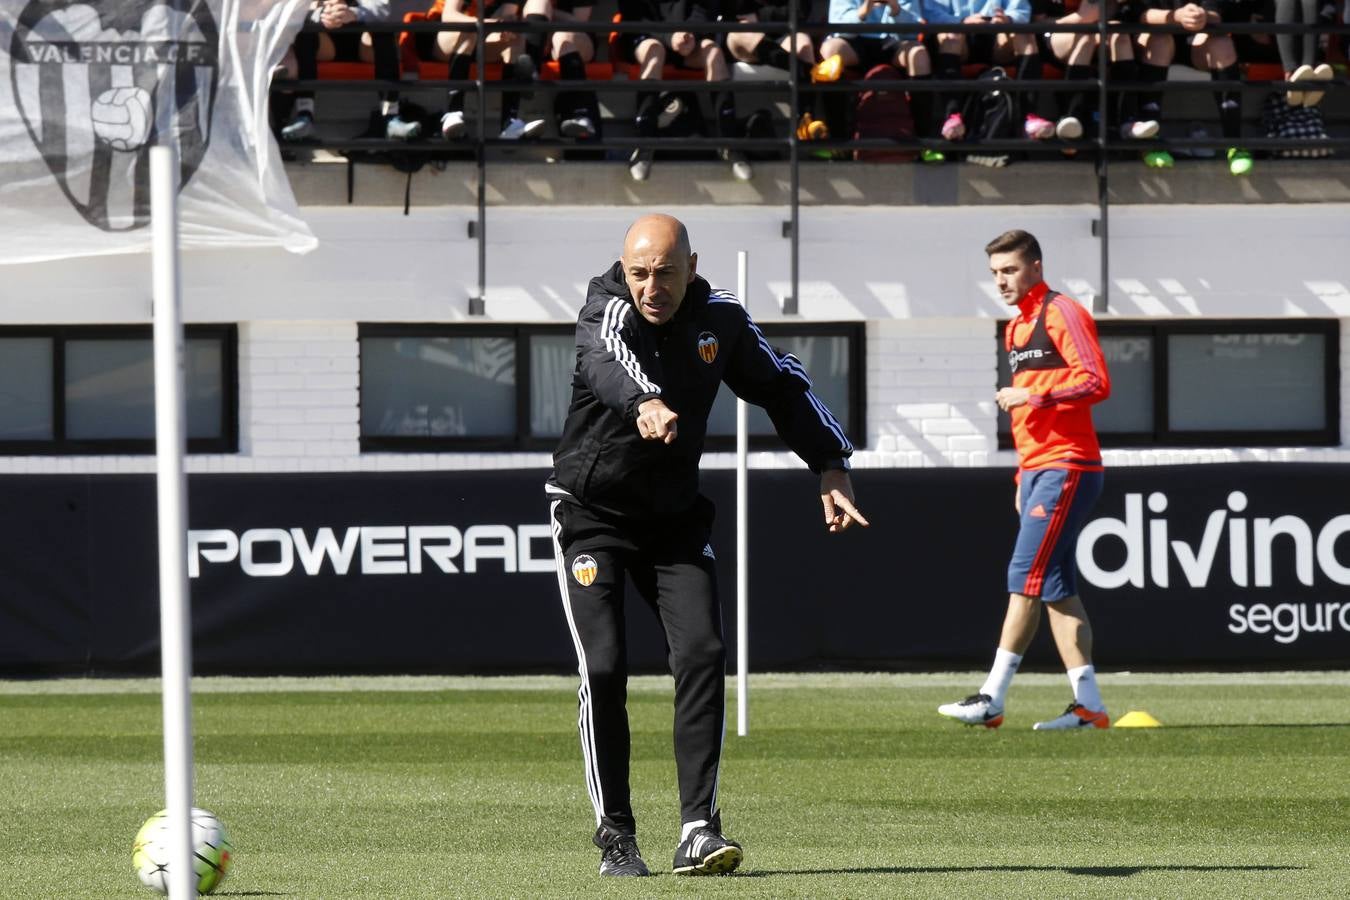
column 346, row 71
column 1262, row 72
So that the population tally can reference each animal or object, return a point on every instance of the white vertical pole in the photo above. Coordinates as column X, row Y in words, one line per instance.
column 742, row 544
column 175, row 617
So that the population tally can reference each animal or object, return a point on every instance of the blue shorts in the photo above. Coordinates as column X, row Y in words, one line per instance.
column 1055, row 506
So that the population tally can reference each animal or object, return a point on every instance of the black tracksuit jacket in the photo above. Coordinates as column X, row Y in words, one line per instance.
column 623, row 360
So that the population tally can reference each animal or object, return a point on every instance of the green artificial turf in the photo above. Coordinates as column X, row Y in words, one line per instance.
column 847, row 786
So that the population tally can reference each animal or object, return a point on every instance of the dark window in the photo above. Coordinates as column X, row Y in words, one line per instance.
column 91, row 389
column 445, row 387
column 832, row 356
column 1213, row 383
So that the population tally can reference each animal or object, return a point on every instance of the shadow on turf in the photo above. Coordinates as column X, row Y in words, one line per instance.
column 1093, row 871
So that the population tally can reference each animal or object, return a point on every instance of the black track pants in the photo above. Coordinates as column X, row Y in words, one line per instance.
column 671, row 564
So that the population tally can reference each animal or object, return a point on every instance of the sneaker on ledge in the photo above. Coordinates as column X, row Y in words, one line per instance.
column 1069, row 128
column 1139, row 129
column 517, row 129
column 453, row 124
column 582, row 128
column 1321, row 72
column 954, row 129
column 740, row 166
column 810, row 128
column 1159, row 159
column 640, row 165
column 301, row 127
column 671, row 111
column 828, row 70
column 1240, row 161
column 1038, row 129
column 399, row 129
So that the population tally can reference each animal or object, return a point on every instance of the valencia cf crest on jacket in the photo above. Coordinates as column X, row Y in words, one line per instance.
column 99, row 84
column 707, row 347
column 584, row 570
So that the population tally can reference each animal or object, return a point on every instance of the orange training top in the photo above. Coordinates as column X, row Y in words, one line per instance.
column 1053, row 352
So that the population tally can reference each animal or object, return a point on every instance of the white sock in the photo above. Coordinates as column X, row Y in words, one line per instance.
column 689, row 828
column 1085, row 690
column 1001, row 675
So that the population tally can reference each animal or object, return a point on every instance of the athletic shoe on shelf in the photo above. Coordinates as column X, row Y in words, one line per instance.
column 300, row 128
column 453, row 125
column 516, row 129
column 1240, row 161
column 1139, row 129
column 670, row 112
column 1302, row 73
column 933, row 157
column 619, row 854
column 954, row 129
column 580, row 127
column 640, row 165
column 988, row 160
column 977, row 709
column 1320, row 72
column 810, row 128
column 1076, row 716
column 828, row 70
column 1199, row 132
column 705, row 852
column 740, row 166
column 1038, row 129
column 1159, row 159
column 398, row 129
column 1069, row 129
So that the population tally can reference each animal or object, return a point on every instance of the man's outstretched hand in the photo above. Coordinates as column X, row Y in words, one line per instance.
column 656, row 421
column 836, row 495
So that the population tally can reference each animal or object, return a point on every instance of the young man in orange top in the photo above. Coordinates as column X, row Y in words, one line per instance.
column 1058, row 373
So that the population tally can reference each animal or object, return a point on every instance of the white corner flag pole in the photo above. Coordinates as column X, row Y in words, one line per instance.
column 175, row 617
column 742, row 545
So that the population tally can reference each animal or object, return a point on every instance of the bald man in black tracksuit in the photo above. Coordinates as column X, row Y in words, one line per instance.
column 654, row 343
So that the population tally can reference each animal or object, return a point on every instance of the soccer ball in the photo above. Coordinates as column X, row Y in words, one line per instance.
column 211, row 850
column 122, row 117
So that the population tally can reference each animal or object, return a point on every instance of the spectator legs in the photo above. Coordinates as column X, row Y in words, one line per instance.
column 1028, row 69
column 949, row 69
column 385, row 47
column 459, row 66
column 1230, row 102
column 1079, row 103
column 306, row 68
column 575, row 104
column 1296, row 50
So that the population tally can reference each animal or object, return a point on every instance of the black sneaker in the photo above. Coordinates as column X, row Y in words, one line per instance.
column 705, row 852
column 620, row 856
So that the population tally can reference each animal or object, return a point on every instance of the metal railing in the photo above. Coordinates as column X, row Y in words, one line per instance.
column 1101, row 145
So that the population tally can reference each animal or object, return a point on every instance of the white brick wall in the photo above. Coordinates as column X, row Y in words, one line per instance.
column 298, row 392
column 929, row 403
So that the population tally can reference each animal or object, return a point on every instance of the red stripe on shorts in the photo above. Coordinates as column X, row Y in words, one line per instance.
column 1036, row 575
